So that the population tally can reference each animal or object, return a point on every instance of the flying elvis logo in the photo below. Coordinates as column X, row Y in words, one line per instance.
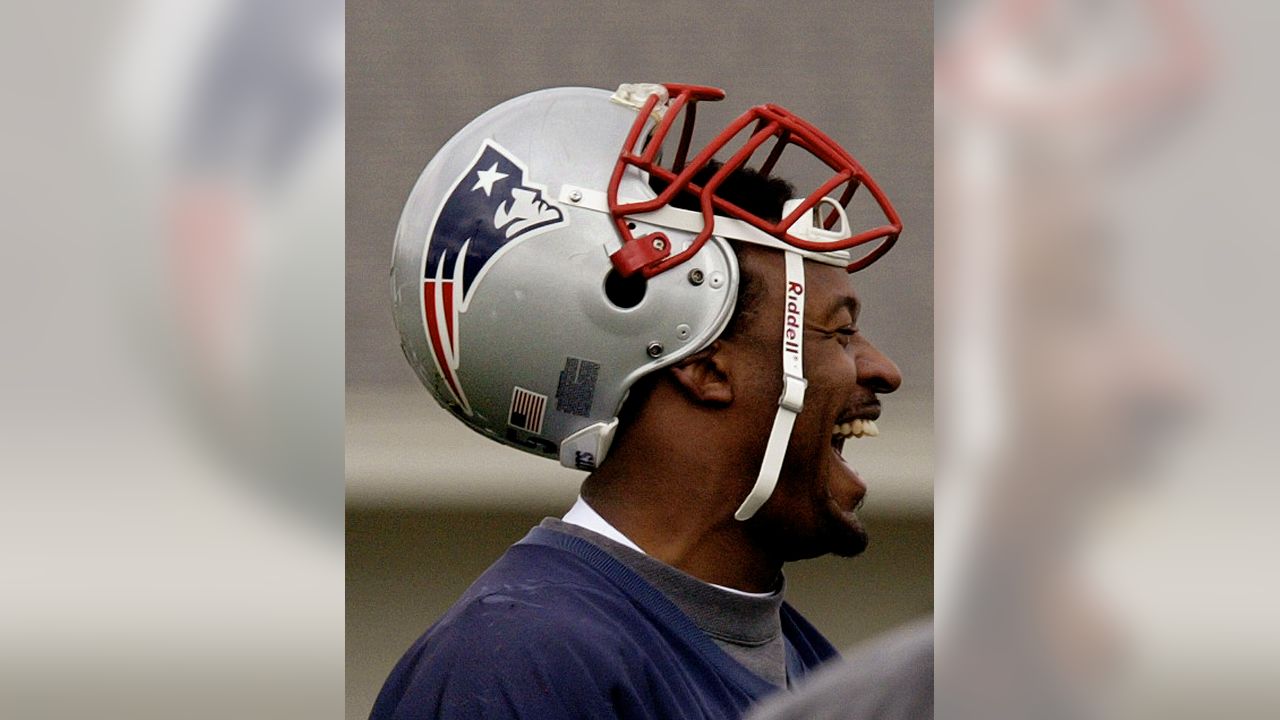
column 490, row 206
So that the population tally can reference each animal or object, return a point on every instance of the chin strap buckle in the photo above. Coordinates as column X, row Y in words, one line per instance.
column 791, row 402
column 793, row 388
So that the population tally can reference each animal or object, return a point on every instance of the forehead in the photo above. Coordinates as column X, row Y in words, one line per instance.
column 829, row 290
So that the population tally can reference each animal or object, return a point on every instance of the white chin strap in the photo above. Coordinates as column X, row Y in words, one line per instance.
column 793, row 386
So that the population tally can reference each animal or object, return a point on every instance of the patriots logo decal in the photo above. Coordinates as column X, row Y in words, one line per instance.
column 490, row 207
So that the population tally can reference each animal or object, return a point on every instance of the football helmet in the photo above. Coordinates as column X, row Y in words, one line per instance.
column 538, row 274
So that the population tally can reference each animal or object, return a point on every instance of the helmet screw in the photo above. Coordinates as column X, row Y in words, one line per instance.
column 654, row 349
column 659, row 244
column 575, row 196
column 695, row 277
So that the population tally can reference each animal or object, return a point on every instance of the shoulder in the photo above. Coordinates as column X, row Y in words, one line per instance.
column 521, row 644
column 540, row 618
column 539, row 593
column 536, row 604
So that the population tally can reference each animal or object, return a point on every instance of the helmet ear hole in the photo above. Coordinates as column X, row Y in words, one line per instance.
column 624, row 292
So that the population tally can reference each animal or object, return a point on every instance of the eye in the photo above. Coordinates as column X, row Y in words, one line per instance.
column 845, row 334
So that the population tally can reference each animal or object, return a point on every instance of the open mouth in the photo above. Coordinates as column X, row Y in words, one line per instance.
column 856, row 428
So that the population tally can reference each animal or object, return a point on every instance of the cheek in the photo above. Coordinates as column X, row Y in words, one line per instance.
column 831, row 379
column 831, row 367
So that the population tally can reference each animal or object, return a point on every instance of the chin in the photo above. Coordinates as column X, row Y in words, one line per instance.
column 851, row 544
column 846, row 537
column 841, row 530
column 829, row 532
column 819, row 520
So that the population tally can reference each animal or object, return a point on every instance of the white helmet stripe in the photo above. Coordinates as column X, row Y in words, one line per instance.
column 691, row 221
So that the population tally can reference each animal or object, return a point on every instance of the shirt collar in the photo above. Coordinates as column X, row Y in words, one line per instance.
column 583, row 515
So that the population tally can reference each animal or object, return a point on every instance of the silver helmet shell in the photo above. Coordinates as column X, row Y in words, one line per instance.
column 499, row 278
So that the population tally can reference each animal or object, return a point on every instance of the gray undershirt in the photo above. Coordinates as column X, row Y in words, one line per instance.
column 747, row 628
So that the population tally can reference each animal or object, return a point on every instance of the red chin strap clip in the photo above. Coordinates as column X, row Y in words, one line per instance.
column 653, row 253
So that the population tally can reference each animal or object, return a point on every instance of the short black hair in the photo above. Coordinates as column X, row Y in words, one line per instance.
column 745, row 187
column 753, row 191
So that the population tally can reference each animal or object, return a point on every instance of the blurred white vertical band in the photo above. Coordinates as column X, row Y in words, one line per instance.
column 172, row 423
column 1104, row 277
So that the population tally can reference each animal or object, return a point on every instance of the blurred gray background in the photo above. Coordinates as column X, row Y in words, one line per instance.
column 429, row 504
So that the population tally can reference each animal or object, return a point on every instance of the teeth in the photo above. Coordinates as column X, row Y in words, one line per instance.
column 858, row 428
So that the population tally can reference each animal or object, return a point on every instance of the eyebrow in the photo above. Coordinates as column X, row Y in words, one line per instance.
column 844, row 301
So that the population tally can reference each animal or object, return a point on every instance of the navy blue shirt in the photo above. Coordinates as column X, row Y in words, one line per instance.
column 558, row 628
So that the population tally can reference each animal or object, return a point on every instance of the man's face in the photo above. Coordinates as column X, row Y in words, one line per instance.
column 811, row 512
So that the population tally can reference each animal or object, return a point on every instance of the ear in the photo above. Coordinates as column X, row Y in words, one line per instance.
column 704, row 376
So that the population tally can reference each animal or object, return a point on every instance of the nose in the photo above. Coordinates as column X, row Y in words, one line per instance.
column 875, row 370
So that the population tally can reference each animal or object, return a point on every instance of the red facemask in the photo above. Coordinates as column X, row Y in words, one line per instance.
column 652, row 254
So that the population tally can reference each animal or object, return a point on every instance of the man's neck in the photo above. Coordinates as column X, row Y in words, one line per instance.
column 684, row 526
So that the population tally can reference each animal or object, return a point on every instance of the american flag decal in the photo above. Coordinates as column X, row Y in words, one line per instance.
column 527, row 410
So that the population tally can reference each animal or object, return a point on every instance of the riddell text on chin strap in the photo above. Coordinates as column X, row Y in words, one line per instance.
column 791, row 403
